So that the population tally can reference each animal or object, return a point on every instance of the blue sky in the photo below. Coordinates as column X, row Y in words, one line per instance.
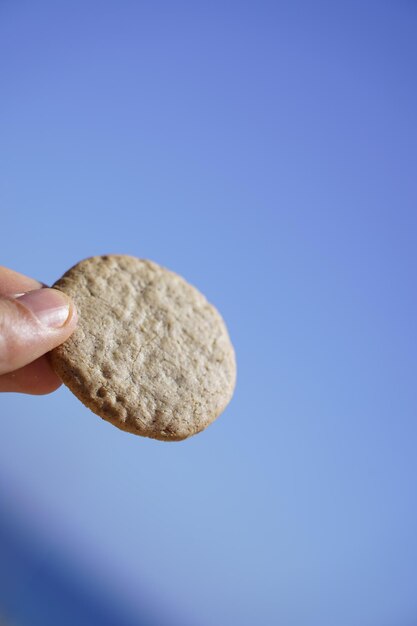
column 267, row 152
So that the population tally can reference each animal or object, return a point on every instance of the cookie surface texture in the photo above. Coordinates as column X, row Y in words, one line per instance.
column 149, row 354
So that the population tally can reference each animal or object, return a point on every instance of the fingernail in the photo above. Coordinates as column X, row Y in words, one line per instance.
column 50, row 306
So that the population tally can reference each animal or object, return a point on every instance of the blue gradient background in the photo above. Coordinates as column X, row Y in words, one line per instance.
column 267, row 152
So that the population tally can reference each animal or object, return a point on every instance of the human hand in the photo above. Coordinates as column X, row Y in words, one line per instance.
column 33, row 320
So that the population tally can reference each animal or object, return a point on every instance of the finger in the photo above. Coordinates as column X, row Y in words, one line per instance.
column 36, row 378
column 32, row 325
column 12, row 283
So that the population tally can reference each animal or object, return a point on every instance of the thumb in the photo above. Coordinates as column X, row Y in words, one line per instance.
column 31, row 324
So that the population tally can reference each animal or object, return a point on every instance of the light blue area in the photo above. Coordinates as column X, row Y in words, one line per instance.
column 268, row 153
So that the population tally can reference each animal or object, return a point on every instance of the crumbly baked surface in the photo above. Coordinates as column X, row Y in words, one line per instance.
column 149, row 354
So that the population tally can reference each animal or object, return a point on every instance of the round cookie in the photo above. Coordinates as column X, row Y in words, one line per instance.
column 149, row 354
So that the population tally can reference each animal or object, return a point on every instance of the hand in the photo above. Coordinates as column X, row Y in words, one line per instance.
column 33, row 320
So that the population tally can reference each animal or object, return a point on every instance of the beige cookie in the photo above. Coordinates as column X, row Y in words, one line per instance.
column 149, row 354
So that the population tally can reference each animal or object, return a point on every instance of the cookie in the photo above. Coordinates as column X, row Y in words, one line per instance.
column 149, row 354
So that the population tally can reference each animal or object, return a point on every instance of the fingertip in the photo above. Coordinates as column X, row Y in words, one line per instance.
column 70, row 323
column 52, row 308
column 33, row 324
column 72, row 320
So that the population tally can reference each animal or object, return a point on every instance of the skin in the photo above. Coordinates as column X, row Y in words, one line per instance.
column 24, row 341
